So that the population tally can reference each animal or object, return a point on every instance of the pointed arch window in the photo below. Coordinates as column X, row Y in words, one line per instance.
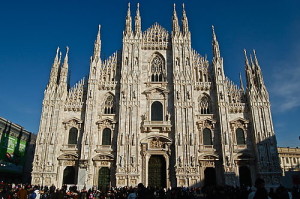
column 240, row 136
column 158, row 69
column 207, row 137
column 73, row 134
column 109, row 105
column 156, row 111
column 106, row 137
column 204, row 105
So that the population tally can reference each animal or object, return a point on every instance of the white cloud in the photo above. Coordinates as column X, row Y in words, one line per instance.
column 285, row 87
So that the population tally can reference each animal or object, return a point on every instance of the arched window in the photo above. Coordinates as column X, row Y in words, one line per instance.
column 240, row 136
column 106, row 137
column 204, row 105
column 158, row 69
column 109, row 105
column 207, row 137
column 156, row 111
column 73, row 133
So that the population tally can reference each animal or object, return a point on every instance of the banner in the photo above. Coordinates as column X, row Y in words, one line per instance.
column 12, row 154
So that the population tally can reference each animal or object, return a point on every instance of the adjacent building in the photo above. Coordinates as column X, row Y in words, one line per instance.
column 16, row 152
column 290, row 164
column 156, row 112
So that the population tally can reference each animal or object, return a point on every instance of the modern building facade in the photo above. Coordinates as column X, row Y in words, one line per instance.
column 155, row 112
column 16, row 152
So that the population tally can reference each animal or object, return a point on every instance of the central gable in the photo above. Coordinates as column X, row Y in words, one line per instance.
column 156, row 38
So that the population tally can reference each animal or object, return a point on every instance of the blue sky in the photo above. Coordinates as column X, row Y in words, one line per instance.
column 31, row 31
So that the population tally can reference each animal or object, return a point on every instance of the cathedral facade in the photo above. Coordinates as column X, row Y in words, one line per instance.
column 155, row 112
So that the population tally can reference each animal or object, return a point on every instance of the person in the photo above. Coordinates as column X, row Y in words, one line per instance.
column 132, row 194
column 261, row 192
column 22, row 193
column 38, row 195
column 32, row 195
column 143, row 192
column 283, row 193
column 83, row 193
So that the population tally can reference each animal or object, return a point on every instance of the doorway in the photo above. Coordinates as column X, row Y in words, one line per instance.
column 104, row 178
column 69, row 175
column 210, row 176
column 245, row 176
column 157, row 171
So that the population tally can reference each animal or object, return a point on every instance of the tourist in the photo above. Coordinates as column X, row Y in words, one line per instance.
column 22, row 193
column 261, row 192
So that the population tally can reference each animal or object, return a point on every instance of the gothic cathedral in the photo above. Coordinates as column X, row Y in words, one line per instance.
column 155, row 112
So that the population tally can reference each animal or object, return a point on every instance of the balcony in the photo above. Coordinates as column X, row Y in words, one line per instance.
column 69, row 148
column 103, row 148
column 161, row 126
column 206, row 148
column 238, row 148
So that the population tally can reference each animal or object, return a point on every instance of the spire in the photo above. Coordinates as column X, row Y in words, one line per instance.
column 215, row 43
column 97, row 46
column 251, row 61
column 56, row 56
column 64, row 69
column 241, row 82
column 255, row 59
column 59, row 60
column 258, row 72
column 138, row 27
column 176, row 28
column 246, row 58
column 128, row 28
column 185, row 23
column 66, row 60
column 55, row 68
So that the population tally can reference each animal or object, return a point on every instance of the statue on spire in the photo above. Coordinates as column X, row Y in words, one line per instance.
column 128, row 28
column 64, row 69
column 215, row 43
column 246, row 58
column 176, row 28
column 185, row 23
column 138, row 28
column 66, row 60
column 97, row 46
column 241, row 82
column 55, row 67
column 255, row 59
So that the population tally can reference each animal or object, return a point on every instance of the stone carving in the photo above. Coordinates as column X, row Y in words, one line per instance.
column 192, row 161
column 156, row 143
column 75, row 96
column 156, row 37
column 179, row 161
column 69, row 163
column 121, row 181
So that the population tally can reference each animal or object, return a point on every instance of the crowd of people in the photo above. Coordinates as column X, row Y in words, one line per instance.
column 11, row 191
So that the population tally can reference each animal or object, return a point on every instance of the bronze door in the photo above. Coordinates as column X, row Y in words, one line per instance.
column 104, row 177
column 157, row 171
